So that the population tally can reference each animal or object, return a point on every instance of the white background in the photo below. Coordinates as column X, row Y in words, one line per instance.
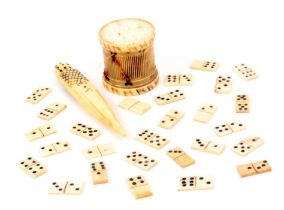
column 35, row 35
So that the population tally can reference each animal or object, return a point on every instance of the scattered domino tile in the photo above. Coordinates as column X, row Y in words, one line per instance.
column 66, row 188
column 134, row 106
column 254, row 168
column 32, row 167
column 228, row 128
column 171, row 119
column 178, row 80
column 180, row 157
column 189, row 183
column 170, row 97
column 245, row 72
column 55, row 148
column 99, row 173
column 140, row 160
column 204, row 65
column 205, row 113
column 208, row 146
column 151, row 139
column 223, row 84
column 85, row 131
column 139, row 187
column 242, row 103
column 38, row 95
column 40, row 132
column 51, row 111
column 98, row 151
column 247, row 145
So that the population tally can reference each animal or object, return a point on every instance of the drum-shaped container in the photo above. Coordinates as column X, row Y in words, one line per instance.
column 128, row 48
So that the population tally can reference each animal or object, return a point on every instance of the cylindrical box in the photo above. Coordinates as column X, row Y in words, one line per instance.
column 128, row 48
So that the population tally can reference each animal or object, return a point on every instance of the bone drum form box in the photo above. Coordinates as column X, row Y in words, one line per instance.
column 128, row 48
